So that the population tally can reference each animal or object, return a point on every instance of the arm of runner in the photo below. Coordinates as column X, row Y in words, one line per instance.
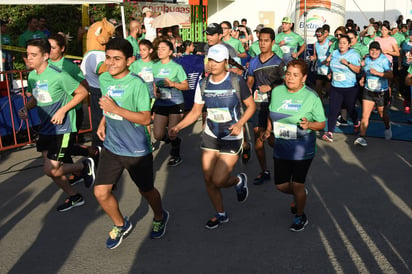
column 184, row 85
column 23, row 112
column 189, row 119
column 79, row 95
column 101, row 129
column 250, row 81
column 108, row 105
column 236, row 129
column 305, row 124
column 301, row 50
column 386, row 74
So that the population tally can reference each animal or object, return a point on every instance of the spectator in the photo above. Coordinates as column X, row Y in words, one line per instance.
column 32, row 32
column 135, row 32
column 147, row 21
column 42, row 26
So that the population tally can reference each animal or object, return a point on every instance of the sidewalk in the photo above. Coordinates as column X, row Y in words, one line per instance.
column 359, row 210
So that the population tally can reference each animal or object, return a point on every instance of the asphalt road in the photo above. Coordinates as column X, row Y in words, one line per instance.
column 359, row 210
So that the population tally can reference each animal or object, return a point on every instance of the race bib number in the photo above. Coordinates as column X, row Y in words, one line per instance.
column 285, row 49
column 285, row 131
column 373, row 84
column 165, row 94
column 260, row 97
column 113, row 116
column 147, row 76
column 219, row 115
column 339, row 77
column 42, row 96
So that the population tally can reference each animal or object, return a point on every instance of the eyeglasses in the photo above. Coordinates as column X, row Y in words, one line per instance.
column 225, row 28
column 318, row 34
column 338, row 35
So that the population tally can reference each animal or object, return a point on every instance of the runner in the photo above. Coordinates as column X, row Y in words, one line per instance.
column 320, row 53
column 223, row 135
column 228, row 39
column 406, row 55
column 344, row 65
column 58, row 45
column 297, row 113
column 377, row 70
column 170, row 79
column 254, row 49
column 266, row 71
column 126, row 106
column 56, row 93
column 289, row 41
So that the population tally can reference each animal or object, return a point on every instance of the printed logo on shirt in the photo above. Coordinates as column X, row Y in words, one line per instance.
column 288, row 105
column 114, row 91
column 41, row 92
column 163, row 72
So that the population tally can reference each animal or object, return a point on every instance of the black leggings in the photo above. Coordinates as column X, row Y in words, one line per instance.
column 338, row 98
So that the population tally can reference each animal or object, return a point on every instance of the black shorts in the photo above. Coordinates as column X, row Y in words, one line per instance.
column 287, row 171
column 111, row 167
column 166, row 110
column 322, row 78
column 232, row 147
column 260, row 118
column 58, row 147
column 381, row 98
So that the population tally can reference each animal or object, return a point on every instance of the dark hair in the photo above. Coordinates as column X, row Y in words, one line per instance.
column 229, row 25
column 120, row 44
column 300, row 63
column 146, row 43
column 269, row 31
column 326, row 27
column 345, row 36
column 353, row 31
column 42, row 43
column 185, row 44
column 30, row 18
column 60, row 40
column 168, row 43
column 386, row 25
column 244, row 19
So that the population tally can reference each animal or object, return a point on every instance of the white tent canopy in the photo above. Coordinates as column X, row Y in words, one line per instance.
column 62, row 2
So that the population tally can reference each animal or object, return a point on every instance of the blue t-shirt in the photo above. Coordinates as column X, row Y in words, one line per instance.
column 123, row 137
column 286, row 109
column 322, row 52
column 175, row 73
column 223, row 106
column 380, row 64
column 406, row 47
column 271, row 73
column 343, row 76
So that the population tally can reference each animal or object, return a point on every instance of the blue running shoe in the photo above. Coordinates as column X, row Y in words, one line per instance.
column 117, row 234
column 216, row 221
column 159, row 227
column 299, row 223
column 241, row 188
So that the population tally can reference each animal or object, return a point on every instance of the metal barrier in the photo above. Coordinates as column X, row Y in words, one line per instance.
column 14, row 131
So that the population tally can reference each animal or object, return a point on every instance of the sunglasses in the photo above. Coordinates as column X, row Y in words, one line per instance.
column 318, row 34
column 338, row 35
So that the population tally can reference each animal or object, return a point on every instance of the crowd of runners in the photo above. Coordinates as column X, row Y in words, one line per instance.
column 244, row 86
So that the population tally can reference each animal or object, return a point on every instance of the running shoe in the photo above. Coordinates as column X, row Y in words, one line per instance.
column 388, row 133
column 241, row 188
column 74, row 180
column 88, row 172
column 360, row 141
column 175, row 161
column 246, row 155
column 262, row 177
column 407, row 110
column 118, row 233
column 216, row 221
column 328, row 137
column 299, row 223
column 159, row 227
column 293, row 208
column 356, row 127
column 71, row 202
column 340, row 122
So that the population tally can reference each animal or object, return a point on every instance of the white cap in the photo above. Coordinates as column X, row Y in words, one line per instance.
column 146, row 9
column 394, row 25
column 218, row 53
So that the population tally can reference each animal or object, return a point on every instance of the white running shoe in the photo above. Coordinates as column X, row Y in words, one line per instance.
column 388, row 133
column 361, row 141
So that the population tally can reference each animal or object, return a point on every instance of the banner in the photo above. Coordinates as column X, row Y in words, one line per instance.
column 319, row 12
column 160, row 8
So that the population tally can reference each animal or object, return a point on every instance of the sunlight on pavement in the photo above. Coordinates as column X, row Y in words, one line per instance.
column 380, row 259
column 329, row 250
column 357, row 260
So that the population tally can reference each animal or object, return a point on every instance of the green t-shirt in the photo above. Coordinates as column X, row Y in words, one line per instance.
column 361, row 49
column 135, row 45
column 399, row 38
column 53, row 89
column 69, row 67
column 367, row 40
column 28, row 35
column 254, row 50
column 410, row 69
column 292, row 42
column 144, row 70
column 175, row 73
column 124, row 137
column 236, row 44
